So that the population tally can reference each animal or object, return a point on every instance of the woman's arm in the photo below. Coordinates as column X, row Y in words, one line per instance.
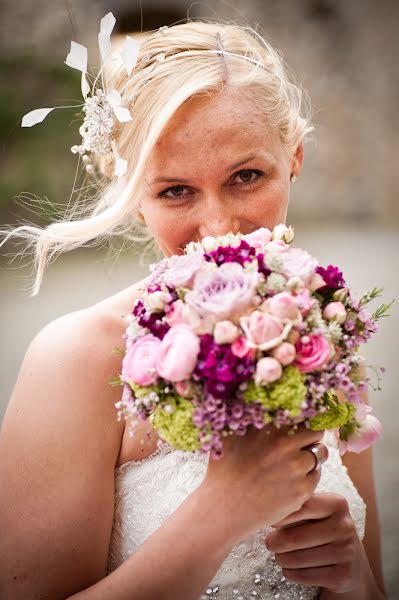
column 179, row 559
column 59, row 444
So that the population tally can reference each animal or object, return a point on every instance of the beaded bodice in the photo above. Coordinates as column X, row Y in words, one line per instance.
column 149, row 490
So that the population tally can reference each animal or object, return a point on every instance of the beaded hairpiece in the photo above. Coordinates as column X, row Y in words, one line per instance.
column 103, row 109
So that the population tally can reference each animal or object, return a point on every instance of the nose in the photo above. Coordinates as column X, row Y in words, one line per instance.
column 217, row 220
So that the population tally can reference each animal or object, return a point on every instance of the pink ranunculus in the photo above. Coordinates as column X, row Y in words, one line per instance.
column 240, row 347
column 336, row 311
column 365, row 435
column 284, row 353
column 182, row 269
column 258, row 238
column 261, row 327
column 139, row 362
column 178, row 353
column 268, row 369
column 304, row 301
column 312, row 353
column 223, row 292
column 283, row 305
column 298, row 263
column 225, row 332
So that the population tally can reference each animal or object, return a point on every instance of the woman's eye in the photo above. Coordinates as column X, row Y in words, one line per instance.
column 248, row 177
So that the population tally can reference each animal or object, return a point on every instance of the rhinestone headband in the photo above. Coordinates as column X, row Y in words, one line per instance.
column 103, row 109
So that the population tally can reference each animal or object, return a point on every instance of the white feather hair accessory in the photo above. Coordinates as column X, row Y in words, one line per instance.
column 103, row 109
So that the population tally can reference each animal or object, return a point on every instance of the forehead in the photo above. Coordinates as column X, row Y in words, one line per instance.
column 220, row 129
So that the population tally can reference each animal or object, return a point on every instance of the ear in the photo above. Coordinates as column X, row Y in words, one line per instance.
column 297, row 160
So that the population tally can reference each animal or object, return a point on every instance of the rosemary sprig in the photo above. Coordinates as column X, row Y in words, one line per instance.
column 369, row 296
column 381, row 311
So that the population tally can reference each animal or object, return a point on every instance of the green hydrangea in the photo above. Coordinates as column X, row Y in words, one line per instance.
column 287, row 393
column 177, row 427
column 337, row 415
column 140, row 391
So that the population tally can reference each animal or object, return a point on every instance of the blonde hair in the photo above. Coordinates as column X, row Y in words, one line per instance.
column 174, row 64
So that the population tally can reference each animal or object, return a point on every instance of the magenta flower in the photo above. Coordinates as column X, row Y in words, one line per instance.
column 333, row 278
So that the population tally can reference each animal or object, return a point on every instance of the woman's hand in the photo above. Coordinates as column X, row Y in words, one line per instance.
column 318, row 545
column 264, row 476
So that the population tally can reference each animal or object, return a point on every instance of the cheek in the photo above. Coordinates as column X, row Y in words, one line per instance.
column 171, row 227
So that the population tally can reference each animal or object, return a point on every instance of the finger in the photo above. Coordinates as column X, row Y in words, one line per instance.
column 328, row 576
column 312, row 533
column 304, row 437
column 319, row 506
column 317, row 556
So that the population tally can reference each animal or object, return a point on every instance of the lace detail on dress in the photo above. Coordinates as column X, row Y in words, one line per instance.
column 149, row 490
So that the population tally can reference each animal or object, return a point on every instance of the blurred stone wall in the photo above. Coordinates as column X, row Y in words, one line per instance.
column 345, row 53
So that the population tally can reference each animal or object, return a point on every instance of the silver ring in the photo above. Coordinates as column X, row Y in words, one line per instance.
column 320, row 452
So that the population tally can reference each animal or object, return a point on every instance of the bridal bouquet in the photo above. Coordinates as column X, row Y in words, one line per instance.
column 246, row 330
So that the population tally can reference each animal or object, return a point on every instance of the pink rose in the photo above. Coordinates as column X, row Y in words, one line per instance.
column 283, row 305
column 284, row 353
column 264, row 330
column 178, row 353
column 225, row 332
column 365, row 435
column 139, row 362
column 241, row 348
column 336, row 311
column 181, row 269
column 258, row 238
column 312, row 353
column 298, row 263
column 267, row 370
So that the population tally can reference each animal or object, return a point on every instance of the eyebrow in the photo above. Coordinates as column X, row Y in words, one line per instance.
column 165, row 179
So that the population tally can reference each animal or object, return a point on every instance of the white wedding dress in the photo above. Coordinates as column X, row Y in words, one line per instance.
column 149, row 490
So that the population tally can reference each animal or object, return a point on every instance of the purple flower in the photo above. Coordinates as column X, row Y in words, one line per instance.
column 333, row 278
column 223, row 291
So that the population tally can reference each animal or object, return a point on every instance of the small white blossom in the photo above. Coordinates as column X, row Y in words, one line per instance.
column 335, row 331
column 282, row 232
column 275, row 283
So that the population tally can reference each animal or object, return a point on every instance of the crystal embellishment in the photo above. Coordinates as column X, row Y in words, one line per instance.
column 98, row 124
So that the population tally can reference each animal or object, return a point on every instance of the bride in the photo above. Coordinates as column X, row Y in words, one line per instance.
column 88, row 512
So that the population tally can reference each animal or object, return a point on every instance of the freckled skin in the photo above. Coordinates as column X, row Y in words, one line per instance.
column 204, row 138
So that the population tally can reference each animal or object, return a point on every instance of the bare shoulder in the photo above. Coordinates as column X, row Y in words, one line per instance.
column 59, row 442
